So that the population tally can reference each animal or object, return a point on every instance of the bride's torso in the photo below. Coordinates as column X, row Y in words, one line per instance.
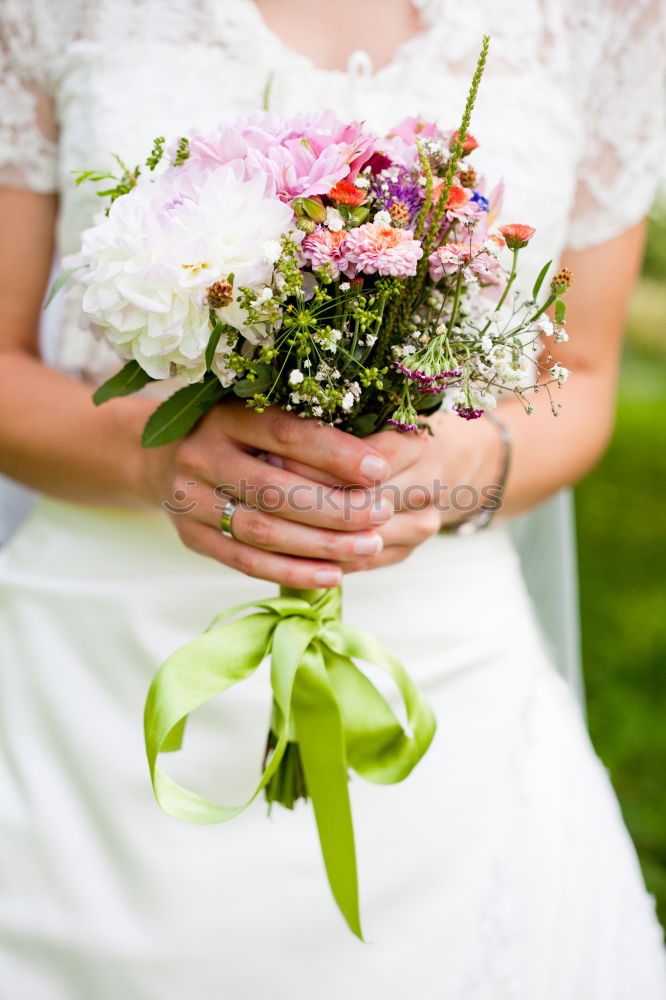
column 121, row 73
column 562, row 114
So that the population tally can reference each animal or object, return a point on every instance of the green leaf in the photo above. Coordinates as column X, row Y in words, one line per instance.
column 129, row 379
column 539, row 282
column 213, row 341
column 426, row 407
column 180, row 412
column 60, row 281
column 92, row 175
column 363, row 424
column 560, row 311
column 264, row 377
column 359, row 214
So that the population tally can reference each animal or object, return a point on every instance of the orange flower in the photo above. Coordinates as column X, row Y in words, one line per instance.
column 346, row 193
column 457, row 198
column 469, row 144
column 517, row 235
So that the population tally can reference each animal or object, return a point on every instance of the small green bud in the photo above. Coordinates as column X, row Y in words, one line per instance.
column 311, row 208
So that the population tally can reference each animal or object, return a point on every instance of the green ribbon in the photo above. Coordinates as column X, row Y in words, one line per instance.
column 339, row 717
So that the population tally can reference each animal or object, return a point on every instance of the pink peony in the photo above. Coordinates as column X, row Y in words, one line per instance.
column 313, row 162
column 411, row 129
column 378, row 249
column 400, row 143
column 326, row 247
column 474, row 261
column 225, row 145
column 299, row 168
column 304, row 155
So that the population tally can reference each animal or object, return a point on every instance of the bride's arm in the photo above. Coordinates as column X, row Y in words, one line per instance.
column 54, row 439
column 549, row 452
column 51, row 436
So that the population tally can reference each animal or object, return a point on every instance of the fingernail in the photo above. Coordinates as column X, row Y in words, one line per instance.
column 374, row 467
column 381, row 512
column 327, row 577
column 368, row 545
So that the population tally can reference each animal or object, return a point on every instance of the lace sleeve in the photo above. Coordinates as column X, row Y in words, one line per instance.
column 624, row 124
column 27, row 122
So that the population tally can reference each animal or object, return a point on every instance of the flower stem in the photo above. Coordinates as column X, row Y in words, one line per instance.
column 456, row 303
column 512, row 278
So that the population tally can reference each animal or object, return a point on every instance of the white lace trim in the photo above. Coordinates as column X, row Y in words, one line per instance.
column 28, row 152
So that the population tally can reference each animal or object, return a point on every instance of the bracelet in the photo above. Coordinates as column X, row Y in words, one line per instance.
column 484, row 515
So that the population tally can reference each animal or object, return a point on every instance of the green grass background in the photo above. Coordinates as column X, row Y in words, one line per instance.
column 621, row 517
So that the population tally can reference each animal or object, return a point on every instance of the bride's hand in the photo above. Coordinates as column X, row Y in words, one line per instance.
column 287, row 528
column 435, row 479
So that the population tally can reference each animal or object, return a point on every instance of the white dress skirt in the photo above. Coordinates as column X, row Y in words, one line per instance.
column 501, row 868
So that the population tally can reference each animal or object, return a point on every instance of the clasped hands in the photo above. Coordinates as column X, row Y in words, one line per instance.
column 314, row 502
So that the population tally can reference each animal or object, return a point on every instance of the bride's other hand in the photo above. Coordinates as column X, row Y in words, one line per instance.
column 286, row 527
column 435, row 479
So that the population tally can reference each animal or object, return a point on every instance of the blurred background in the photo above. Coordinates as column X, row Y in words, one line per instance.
column 621, row 524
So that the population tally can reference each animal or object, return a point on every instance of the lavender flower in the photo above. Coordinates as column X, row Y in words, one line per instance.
column 403, row 191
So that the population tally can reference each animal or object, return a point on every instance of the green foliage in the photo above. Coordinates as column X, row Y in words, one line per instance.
column 622, row 540
column 129, row 379
column 560, row 311
column 540, row 279
column 655, row 254
column 213, row 341
column 179, row 413
column 125, row 181
column 59, row 282
column 91, row 175
column 256, row 382
column 182, row 152
column 157, row 152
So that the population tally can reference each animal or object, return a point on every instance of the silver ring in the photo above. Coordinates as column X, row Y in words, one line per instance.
column 227, row 514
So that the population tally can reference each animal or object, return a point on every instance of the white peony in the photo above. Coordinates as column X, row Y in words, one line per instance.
column 149, row 263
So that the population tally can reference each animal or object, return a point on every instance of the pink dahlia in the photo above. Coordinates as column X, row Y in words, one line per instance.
column 378, row 249
column 327, row 248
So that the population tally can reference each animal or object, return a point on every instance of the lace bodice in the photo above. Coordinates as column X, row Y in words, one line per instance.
column 570, row 109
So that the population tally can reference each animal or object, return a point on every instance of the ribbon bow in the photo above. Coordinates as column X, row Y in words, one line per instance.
column 338, row 716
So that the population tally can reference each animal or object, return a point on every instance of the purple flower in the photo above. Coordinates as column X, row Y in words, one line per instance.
column 432, row 390
column 427, row 378
column 404, row 191
column 468, row 412
column 401, row 426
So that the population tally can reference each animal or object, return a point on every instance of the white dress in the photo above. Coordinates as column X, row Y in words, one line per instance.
column 501, row 868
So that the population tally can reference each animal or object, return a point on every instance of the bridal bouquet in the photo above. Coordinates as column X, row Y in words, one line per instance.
column 354, row 279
